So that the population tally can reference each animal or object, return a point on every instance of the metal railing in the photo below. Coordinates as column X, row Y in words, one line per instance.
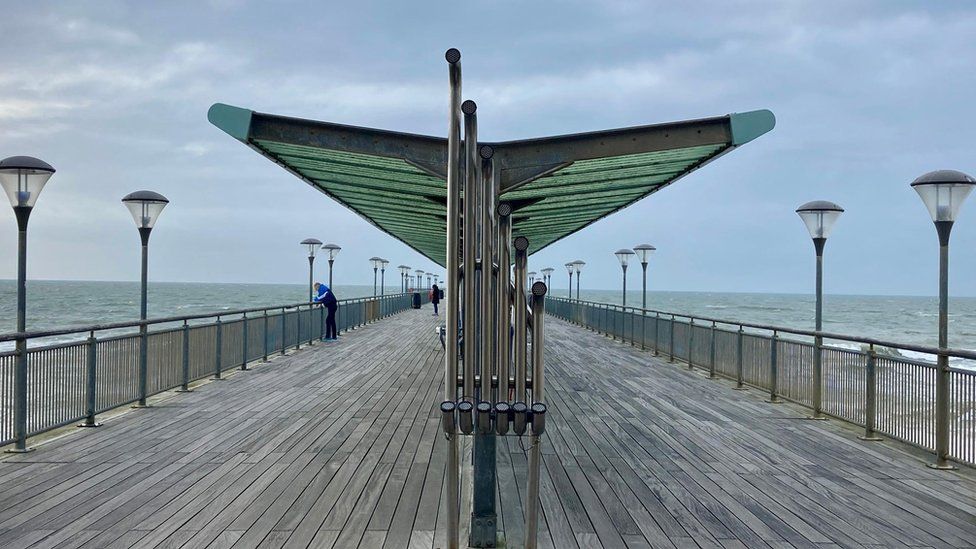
column 884, row 392
column 76, row 380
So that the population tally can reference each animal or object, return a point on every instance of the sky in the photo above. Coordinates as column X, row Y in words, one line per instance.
column 867, row 96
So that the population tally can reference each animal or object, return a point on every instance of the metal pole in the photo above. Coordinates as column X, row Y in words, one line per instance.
column 773, row 370
column 691, row 341
column 284, row 332
column 577, row 285
column 538, row 397
column 330, row 272
column 942, row 383
column 738, row 361
column 657, row 333
column 488, row 236
column 453, row 57
column 265, row 349
column 818, row 340
column 504, row 290
column 374, row 281
column 521, row 245
column 382, row 281
column 143, row 328
column 185, row 385
column 20, row 371
column 472, row 180
column 711, row 351
column 90, row 403
column 311, row 259
column 671, row 343
column 624, row 296
column 218, row 349
column 644, row 286
column 871, row 397
column 570, row 285
column 244, row 342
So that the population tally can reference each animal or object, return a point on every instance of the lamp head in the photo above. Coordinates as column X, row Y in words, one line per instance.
column 644, row 252
column 145, row 207
column 624, row 255
column 943, row 192
column 819, row 217
column 312, row 244
column 22, row 178
column 333, row 250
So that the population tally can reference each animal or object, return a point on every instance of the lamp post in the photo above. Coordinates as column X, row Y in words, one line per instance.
column 333, row 250
column 383, row 265
column 623, row 255
column 819, row 217
column 943, row 192
column 570, row 267
column 420, row 279
column 644, row 252
column 531, row 277
column 22, row 178
column 145, row 207
column 313, row 246
column 578, row 266
column 404, row 269
column 547, row 276
column 375, row 262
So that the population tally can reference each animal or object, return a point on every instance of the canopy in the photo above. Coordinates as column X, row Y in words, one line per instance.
column 556, row 185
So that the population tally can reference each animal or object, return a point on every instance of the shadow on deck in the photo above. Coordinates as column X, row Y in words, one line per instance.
column 339, row 446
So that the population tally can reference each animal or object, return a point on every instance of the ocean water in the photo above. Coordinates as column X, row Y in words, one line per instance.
column 903, row 319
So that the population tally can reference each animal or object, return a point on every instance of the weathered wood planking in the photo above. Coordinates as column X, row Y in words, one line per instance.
column 339, row 446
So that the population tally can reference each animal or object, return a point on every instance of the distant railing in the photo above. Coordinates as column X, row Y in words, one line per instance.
column 76, row 380
column 883, row 392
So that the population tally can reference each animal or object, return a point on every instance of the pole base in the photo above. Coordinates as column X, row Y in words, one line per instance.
column 773, row 400
column 137, row 406
column 816, row 418
column 183, row 391
column 941, row 466
column 89, row 425
column 871, row 438
column 19, row 450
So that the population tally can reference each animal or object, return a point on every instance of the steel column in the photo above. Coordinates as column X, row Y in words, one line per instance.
column 90, row 382
column 521, row 245
column 472, row 181
column 871, row 397
column 738, row 361
column 818, row 340
column 503, row 288
column 244, row 342
column 773, row 369
column 942, row 381
column 20, row 369
column 219, row 349
column 185, row 385
column 538, row 398
column 143, row 328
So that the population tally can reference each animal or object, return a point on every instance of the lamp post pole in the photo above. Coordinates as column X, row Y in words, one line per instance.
column 333, row 250
column 943, row 192
column 819, row 217
column 623, row 255
column 22, row 178
column 644, row 252
column 313, row 246
column 383, row 265
column 578, row 266
column 569, row 269
column 145, row 207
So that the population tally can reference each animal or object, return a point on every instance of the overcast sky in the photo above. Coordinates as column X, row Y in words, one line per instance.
column 867, row 96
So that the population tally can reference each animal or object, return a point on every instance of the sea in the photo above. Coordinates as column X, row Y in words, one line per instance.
column 902, row 319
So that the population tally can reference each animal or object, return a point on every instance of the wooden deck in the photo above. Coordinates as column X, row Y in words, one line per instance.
column 339, row 446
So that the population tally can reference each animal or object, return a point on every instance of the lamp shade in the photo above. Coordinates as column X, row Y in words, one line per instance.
column 578, row 265
column 819, row 217
column 943, row 192
column 404, row 269
column 384, row 263
column 624, row 255
column 570, row 267
column 22, row 178
column 145, row 207
column 376, row 261
column 547, row 271
column 312, row 244
column 333, row 250
column 644, row 252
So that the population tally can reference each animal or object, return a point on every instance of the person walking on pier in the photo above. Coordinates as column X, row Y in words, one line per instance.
column 324, row 295
column 435, row 297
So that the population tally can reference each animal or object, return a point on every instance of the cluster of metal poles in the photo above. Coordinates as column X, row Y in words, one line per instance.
column 483, row 395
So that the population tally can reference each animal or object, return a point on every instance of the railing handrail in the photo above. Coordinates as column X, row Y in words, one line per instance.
column 13, row 336
column 958, row 353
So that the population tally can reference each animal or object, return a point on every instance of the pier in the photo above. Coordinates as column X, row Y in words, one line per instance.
column 340, row 445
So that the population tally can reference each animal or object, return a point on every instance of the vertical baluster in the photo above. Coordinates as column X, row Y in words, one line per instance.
column 90, row 380
column 657, row 333
column 185, row 385
column 691, row 342
column 284, row 332
column 244, row 342
column 871, row 396
column 266, row 335
column 711, row 352
column 671, row 343
column 773, row 369
column 218, row 351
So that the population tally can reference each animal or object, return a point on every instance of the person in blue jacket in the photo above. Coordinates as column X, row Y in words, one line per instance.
column 324, row 296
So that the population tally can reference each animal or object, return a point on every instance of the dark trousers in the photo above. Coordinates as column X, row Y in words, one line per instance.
column 330, row 325
column 435, row 306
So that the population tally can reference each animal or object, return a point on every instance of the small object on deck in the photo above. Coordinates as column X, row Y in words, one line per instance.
column 416, row 300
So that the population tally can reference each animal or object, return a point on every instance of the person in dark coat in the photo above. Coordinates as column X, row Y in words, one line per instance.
column 324, row 295
column 435, row 297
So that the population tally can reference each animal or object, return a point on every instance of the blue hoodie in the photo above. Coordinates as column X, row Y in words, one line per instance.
column 325, row 295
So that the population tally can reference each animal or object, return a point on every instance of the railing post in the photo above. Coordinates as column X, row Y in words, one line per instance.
column 244, row 342
column 633, row 338
column 817, row 378
column 298, row 327
column 90, row 404
column 671, row 342
column 871, row 397
column 773, row 370
column 322, row 323
column 265, row 338
column 311, row 322
column 711, row 352
column 185, row 386
column 657, row 333
column 284, row 332
column 643, row 329
column 691, row 342
column 738, row 361
column 219, row 350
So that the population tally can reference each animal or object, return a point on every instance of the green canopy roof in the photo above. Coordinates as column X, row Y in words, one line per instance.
column 556, row 185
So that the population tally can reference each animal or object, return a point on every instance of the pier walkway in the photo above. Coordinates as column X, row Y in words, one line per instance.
column 339, row 445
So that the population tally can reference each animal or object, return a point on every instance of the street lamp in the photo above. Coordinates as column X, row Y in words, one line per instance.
column 547, row 276
column 22, row 178
column 420, row 279
column 943, row 192
column 623, row 255
column 404, row 269
column 819, row 217
column 145, row 207
column 383, row 265
column 429, row 277
column 333, row 250
column 569, row 269
column 531, row 277
column 375, row 262
column 578, row 266
column 644, row 252
column 313, row 246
